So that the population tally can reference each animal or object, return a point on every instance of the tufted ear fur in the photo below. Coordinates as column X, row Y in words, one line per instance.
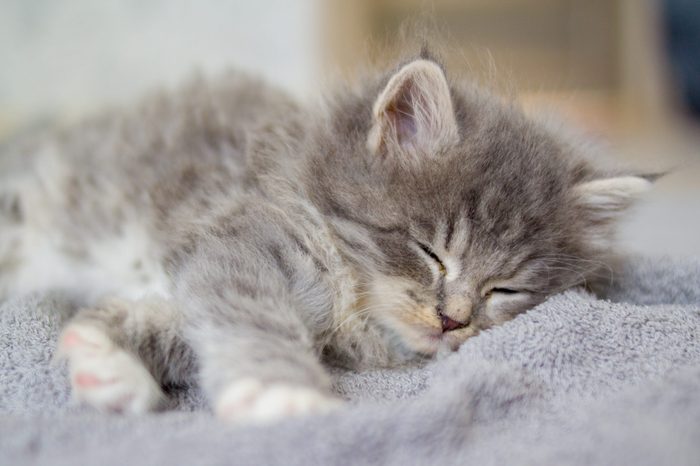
column 606, row 198
column 603, row 201
column 413, row 116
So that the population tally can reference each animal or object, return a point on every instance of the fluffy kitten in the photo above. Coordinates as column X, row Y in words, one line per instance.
column 227, row 231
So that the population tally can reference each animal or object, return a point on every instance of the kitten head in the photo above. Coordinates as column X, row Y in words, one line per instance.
column 457, row 211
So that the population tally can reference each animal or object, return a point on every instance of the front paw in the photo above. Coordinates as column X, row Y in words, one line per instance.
column 251, row 401
column 105, row 376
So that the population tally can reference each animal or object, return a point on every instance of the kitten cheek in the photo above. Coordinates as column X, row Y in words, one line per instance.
column 418, row 329
column 500, row 309
column 497, row 311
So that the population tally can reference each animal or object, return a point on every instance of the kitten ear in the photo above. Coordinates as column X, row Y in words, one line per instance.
column 414, row 115
column 605, row 199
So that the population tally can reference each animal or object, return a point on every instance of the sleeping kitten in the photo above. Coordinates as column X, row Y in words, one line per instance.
column 229, row 232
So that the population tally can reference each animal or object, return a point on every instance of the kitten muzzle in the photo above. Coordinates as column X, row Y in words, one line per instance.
column 449, row 324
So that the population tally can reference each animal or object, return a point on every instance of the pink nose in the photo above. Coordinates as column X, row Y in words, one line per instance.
column 450, row 324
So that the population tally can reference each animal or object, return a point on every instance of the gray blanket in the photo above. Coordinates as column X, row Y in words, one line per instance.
column 577, row 380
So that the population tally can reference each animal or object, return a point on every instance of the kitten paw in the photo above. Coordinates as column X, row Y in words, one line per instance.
column 250, row 401
column 104, row 375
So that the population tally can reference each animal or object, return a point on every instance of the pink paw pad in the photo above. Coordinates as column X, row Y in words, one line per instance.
column 72, row 339
column 88, row 380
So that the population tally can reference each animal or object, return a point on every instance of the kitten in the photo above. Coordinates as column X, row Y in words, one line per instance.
column 228, row 232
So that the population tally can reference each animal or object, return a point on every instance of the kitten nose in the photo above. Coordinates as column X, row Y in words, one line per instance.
column 449, row 324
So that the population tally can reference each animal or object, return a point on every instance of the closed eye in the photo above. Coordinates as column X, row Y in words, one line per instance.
column 504, row 291
column 426, row 249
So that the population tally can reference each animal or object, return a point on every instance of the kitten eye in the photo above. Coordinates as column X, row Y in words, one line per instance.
column 426, row 249
column 503, row 291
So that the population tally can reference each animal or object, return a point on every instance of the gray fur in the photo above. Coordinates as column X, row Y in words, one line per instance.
column 274, row 237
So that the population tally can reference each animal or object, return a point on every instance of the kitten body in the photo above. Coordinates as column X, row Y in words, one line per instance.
column 227, row 231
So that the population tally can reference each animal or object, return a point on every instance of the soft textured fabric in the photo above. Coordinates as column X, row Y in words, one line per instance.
column 577, row 380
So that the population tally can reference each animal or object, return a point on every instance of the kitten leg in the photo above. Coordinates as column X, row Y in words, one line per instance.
column 257, row 354
column 265, row 378
column 120, row 353
column 258, row 305
column 262, row 370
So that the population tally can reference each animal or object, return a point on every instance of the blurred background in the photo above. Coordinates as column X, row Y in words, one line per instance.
column 626, row 71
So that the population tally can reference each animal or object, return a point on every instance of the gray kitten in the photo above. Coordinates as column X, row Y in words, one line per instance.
column 229, row 232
